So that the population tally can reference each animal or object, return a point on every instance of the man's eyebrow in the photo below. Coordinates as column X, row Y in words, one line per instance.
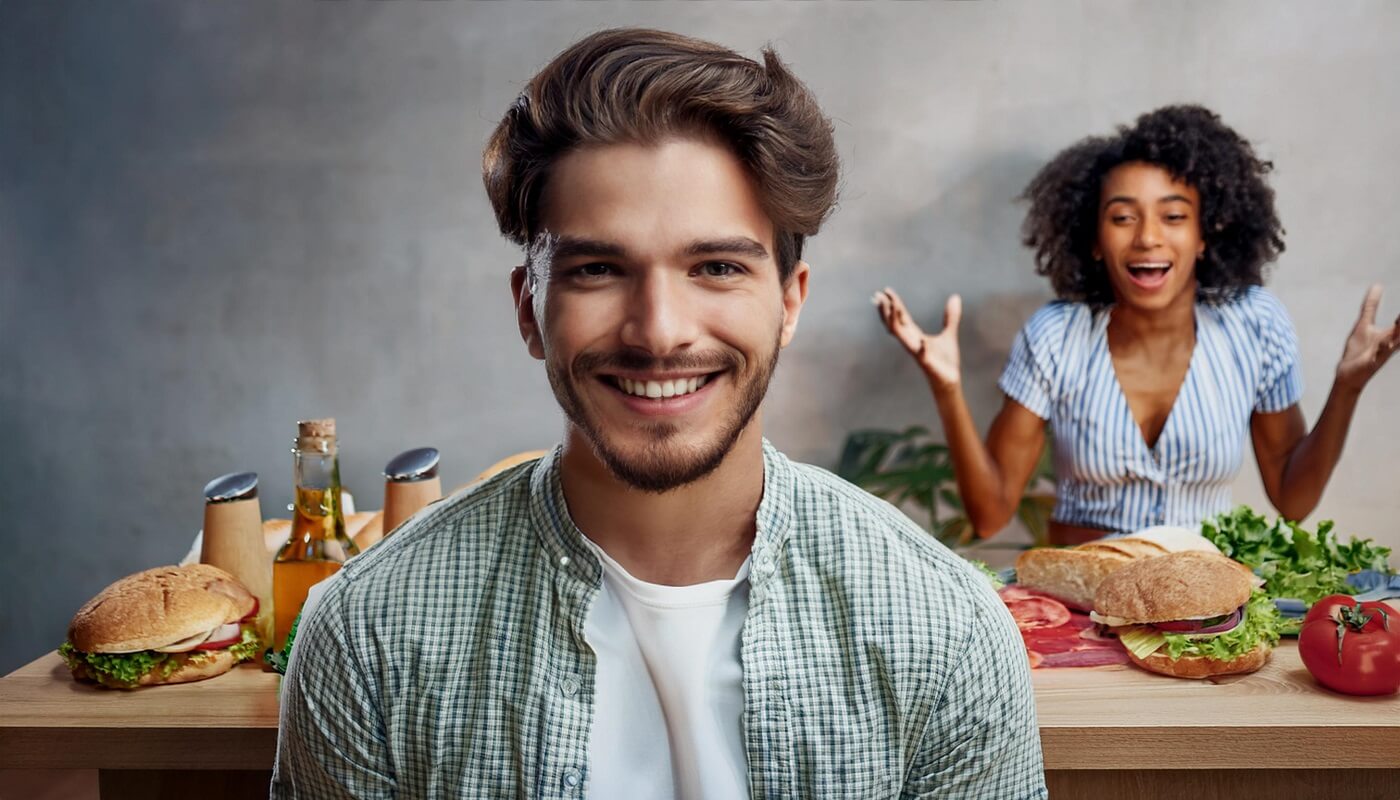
column 734, row 245
column 573, row 246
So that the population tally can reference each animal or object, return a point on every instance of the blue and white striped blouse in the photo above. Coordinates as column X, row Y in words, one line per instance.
column 1245, row 360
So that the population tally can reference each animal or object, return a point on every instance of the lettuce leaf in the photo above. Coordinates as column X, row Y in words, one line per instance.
column 122, row 670
column 988, row 572
column 1261, row 624
column 248, row 647
column 1293, row 561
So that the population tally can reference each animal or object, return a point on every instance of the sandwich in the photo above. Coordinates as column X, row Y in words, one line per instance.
column 1072, row 574
column 1191, row 614
column 164, row 625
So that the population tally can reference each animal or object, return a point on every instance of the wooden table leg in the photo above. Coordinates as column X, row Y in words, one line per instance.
column 161, row 784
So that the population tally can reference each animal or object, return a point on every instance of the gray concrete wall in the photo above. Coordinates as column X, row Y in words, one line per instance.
column 216, row 218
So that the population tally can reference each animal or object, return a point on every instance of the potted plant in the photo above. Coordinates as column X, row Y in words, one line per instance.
column 909, row 466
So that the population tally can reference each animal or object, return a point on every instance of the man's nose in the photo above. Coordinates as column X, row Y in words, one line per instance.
column 660, row 318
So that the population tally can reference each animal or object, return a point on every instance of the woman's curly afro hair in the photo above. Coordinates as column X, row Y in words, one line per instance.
column 1238, row 222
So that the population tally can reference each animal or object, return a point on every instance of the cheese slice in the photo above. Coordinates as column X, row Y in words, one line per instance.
column 1141, row 640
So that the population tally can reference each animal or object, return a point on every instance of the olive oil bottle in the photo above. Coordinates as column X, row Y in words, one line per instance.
column 318, row 544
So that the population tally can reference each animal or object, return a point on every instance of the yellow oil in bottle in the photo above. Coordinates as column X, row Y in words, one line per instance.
column 318, row 544
column 291, row 580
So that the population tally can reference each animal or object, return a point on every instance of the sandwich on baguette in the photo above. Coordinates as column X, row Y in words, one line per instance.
column 1072, row 574
column 163, row 625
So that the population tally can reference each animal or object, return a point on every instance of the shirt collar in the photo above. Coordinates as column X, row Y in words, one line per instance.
column 564, row 544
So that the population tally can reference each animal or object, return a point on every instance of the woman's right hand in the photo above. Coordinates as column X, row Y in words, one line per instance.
column 938, row 354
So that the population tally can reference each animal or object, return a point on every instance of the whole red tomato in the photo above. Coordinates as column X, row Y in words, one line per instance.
column 1352, row 647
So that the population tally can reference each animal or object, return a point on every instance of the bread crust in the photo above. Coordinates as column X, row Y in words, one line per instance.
column 157, row 607
column 1071, row 575
column 1203, row 666
column 1175, row 586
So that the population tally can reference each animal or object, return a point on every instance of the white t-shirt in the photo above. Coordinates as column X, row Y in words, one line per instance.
column 670, row 690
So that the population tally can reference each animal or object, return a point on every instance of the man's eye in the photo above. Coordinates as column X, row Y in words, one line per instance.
column 1176, row 217
column 720, row 269
column 1119, row 219
column 594, row 270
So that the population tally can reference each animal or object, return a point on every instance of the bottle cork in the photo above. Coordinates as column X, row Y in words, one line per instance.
column 316, row 434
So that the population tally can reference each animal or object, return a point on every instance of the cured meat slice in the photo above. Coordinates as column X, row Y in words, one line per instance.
column 1086, row 657
column 1038, row 612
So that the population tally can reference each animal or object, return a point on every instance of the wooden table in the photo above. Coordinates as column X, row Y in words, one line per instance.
column 1110, row 732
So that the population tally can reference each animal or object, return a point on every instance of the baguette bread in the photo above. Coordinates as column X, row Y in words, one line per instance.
column 1072, row 575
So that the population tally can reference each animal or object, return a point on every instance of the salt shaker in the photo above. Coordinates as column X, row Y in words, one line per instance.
column 410, row 482
column 233, row 540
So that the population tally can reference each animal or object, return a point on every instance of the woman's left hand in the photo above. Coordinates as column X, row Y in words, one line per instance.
column 1369, row 346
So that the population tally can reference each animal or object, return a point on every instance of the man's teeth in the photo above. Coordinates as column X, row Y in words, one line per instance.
column 1153, row 267
column 659, row 389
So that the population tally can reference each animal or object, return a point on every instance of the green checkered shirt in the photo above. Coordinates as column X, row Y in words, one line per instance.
column 450, row 661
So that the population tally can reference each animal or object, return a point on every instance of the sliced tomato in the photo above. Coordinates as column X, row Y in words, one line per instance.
column 252, row 613
column 1038, row 612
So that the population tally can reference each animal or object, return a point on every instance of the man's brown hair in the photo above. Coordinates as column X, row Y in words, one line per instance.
column 631, row 85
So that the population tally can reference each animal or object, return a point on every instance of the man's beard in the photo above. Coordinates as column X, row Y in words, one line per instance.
column 663, row 465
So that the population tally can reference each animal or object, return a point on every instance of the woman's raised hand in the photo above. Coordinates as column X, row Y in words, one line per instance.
column 938, row 354
column 1369, row 346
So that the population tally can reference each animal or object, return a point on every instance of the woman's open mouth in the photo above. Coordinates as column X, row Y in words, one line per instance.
column 1149, row 274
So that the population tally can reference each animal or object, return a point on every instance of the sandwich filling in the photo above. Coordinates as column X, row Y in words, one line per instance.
column 125, row 670
column 1232, row 636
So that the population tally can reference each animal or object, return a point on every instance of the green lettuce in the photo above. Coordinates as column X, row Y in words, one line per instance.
column 1293, row 561
column 123, row 670
column 1261, row 624
column 247, row 649
column 987, row 571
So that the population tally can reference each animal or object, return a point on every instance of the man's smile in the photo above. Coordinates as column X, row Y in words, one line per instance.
column 661, row 394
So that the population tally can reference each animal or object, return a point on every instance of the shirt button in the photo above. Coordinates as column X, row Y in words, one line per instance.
column 569, row 686
column 765, row 566
column 572, row 778
column 563, row 561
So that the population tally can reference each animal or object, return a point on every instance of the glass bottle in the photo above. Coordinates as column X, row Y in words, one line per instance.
column 318, row 545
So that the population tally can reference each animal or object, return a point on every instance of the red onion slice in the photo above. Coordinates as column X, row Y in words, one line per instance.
column 1194, row 625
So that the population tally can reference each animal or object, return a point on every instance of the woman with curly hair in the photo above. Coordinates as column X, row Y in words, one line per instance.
column 1163, row 350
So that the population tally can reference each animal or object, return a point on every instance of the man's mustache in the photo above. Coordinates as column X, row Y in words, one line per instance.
column 640, row 361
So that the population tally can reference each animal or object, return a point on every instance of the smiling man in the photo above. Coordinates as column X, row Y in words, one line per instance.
column 665, row 606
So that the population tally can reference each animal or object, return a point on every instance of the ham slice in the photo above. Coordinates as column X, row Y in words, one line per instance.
column 1055, row 636
column 1091, row 657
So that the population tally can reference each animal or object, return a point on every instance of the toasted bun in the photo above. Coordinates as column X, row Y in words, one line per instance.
column 1071, row 575
column 276, row 532
column 366, row 528
column 158, row 607
column 1202, row 666
column 1175, row 586
column 222, row 662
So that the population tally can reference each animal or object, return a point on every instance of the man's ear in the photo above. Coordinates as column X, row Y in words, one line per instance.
column 794, row 295
column 524, row 297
